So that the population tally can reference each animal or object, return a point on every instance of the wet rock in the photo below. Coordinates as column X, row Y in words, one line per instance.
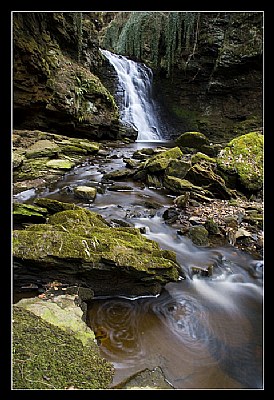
column 147, row 379
column 199, row 235
column 60, row 164
column 85, row 192
column 159, row 162
column 79, row 247
column 28, row 213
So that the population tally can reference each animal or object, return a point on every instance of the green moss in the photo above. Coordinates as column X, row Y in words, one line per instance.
column 201, row 157
column 60, row 164
column 46, row 357
column 83, row 237
column 32, row 168
column 178, row 168
column 77, row 217
column 243, row 156
column 54, row 206
column 199, row 235
column 190, row 118
column 159, row 162
column 192, row 139
column 28, row 212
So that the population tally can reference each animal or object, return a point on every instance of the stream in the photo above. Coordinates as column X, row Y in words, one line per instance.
column 202, row 332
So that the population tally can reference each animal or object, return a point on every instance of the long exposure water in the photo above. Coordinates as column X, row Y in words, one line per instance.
column 136, row 106
column 202, row 332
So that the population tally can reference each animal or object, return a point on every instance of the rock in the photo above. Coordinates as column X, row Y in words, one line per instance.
column 53, row 342
column 147, row 379
column 85, row 192
column 241, row 162
column 28, row 213
column 60, row 164
column 199, row 235
column 54, row 206
column 79, row 247
column 42, row 148
column 205, row 176
column 178, row 168
column 182, row 201
column 196, row 140
column 159, row 162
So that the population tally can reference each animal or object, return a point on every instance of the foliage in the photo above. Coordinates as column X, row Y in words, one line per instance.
column 160, row 36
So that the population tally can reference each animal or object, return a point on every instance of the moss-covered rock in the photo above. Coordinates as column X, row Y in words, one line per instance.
column 54, row 86
column 85, row 192
column 242, row 159
column 194, row 140
column 159, row 162
column 178, row 168
column 204, row 175
column 181, row 186
column 199, row 235
column 54, row 206
column 48, row 357
column 60, row 164
column 42, row 148
column 28, row 213
column 79, row 245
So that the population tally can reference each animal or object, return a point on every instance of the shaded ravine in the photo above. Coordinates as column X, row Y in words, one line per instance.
column 202, row 332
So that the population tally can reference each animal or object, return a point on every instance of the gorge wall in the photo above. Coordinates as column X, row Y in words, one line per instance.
column 208, row 66
column 208, row 70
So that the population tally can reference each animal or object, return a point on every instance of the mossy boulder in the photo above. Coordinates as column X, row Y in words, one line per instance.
column 178, row 168
column 85, row 192
column 48, row 357
column 60, row 164
column 28, row 213
column 199, row 235
column 79, row 246
column 181, row 186
column 204, row 175
column 54, row 206
column 241, row 162
column 194, row 140
column 159, row 162
column 42, row 148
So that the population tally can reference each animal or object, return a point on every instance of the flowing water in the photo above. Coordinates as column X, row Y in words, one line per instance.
column 136, row 106
column 202, row 332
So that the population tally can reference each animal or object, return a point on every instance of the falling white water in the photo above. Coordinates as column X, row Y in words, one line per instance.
column 137, row 108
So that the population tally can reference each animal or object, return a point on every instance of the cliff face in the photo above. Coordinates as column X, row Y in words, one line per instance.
column 220, row 91
column 55, row 56
column 208, row 67
column 207, row 70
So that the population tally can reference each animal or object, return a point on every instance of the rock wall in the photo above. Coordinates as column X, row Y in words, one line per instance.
column 55, row 87
column 215, row 85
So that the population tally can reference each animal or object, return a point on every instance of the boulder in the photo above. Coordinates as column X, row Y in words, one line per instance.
column 79, row 247
column 241, row 162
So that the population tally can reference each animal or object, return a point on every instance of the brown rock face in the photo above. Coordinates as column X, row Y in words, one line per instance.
column 54, row 88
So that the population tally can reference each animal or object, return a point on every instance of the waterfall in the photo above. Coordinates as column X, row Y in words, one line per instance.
column 137, row 107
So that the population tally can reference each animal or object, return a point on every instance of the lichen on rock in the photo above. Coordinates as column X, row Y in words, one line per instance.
column 79, row 245
column 243, row 159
